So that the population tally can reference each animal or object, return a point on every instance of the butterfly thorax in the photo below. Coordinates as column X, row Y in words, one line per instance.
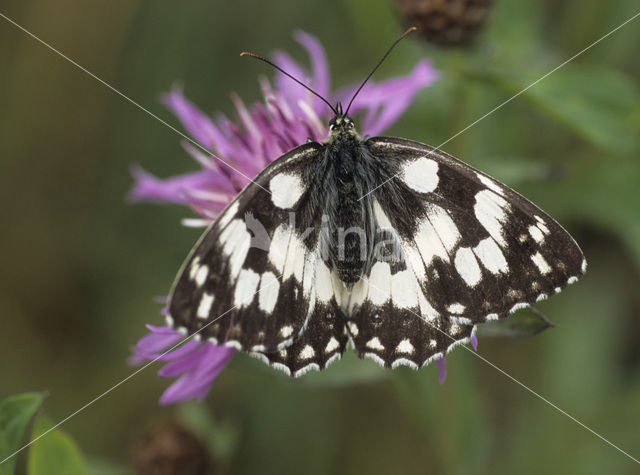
column 348, row 238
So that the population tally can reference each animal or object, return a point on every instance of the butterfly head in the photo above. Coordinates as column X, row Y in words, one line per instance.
column 341, row 123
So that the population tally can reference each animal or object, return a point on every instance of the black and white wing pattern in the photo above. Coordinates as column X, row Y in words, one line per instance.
column 252, row 281
column 471, row 250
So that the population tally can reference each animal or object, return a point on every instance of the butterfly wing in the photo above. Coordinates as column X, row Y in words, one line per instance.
column 472, row 250
column 248, row 282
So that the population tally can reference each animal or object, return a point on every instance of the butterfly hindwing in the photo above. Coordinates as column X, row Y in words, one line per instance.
column 248, row 281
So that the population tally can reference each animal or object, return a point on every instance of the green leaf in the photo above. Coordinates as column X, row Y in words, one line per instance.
column 599, row 104
column 520, row 325
column 16, row 415
column 55, row 453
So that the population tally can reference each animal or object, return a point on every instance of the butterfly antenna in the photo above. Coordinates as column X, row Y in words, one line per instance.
column 251, row 55
column 410, row 30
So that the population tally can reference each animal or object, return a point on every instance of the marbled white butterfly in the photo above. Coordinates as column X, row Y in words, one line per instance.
column 383, row 242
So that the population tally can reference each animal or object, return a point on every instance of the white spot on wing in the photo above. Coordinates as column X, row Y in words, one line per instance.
column 414, row 260
column 332, row 345
column 421, row 175
column 286, row 331
column 490, row 211
column 246, row 288
column 193, row 268
column 491, row 256
column 445, row 227
column 404, row 289
column 269, row 290
column 572, row 280
column 307, row 353
column 205, row 306
column 309, row 274
column 201, row 275
column 536, row 234
column 405, row 346
column 294, row 262
column 456, row 308
column 380, row 283
column 467, row 266
column 489, row 183
column 228, row 214
column 324, row 287
column 426, row 310
column 428, row 242
column 375, row 344
column 235, row 241
column 278, row 247
column 541, row 263
column 543, row 227
column 286, row 190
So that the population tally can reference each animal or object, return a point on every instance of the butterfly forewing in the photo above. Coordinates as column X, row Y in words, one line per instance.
column 248, row 282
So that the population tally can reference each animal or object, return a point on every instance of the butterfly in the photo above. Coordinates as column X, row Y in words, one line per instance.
column 384, row 243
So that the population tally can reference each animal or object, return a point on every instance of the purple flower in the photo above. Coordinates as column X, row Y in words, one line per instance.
column 263, row 132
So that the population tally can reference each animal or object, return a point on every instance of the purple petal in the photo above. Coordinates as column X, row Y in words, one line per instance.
column 180, row 189
column 385, row 102
column 202, row 368
column 196, row 364
column 199, row 126
column 181, row 351
column 291, row 92
column 320, row 81
column 442, row 369
column 193, row 359
column 474, row 341
column 156, row 342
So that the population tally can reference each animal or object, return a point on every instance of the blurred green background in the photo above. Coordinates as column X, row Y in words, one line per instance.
column 80, row 265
